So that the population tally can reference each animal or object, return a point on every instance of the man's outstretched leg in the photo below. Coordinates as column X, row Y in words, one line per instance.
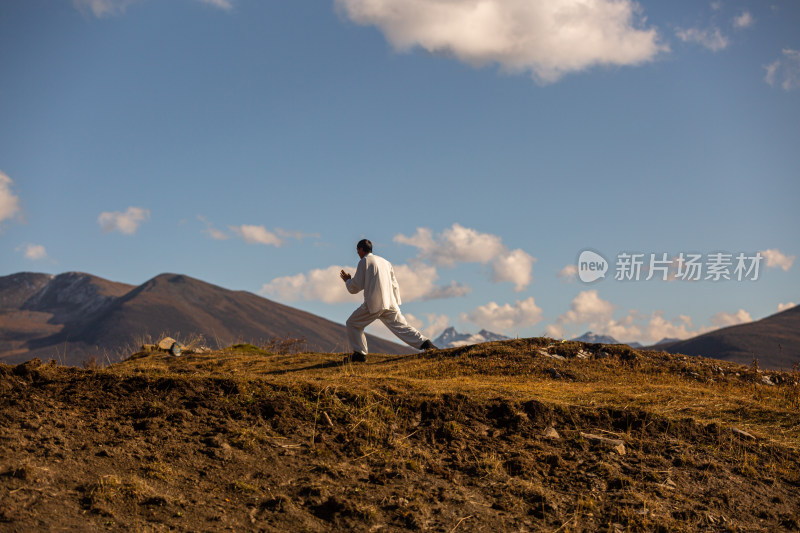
column 398, row 325
column 360, row 319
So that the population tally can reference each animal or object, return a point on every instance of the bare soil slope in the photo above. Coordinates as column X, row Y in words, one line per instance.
column 521, row 435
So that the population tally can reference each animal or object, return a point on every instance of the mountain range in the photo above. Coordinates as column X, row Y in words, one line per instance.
column 450, row 338
column 773, row 340
column 73, row 317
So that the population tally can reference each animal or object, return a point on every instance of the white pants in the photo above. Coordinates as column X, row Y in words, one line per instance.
column 393, row 319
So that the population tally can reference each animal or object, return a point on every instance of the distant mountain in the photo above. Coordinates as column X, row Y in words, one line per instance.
column 74, row 316
column 450, row 338
column 774, row 340
column 594, row 338
column 666, row 340
column 635, row 344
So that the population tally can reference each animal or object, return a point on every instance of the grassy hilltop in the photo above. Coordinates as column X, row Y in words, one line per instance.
column 520, row 435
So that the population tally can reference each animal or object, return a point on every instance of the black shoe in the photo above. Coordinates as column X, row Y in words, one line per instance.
column 355, row 357
column 428, row 345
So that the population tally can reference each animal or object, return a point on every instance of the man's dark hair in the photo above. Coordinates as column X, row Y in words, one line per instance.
column 364, row 244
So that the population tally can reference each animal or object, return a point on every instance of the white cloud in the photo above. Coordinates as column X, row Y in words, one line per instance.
column 784, row 307
column 34, row 252
column 417, row 282
column 322, row 284
column 590, row 312
column 716, row 6
column 784, row 71
column 514, row 266
column 745, row 20
column 458, row 244
column 294, row 234
column 545, row 39
column 568, row 274
column 505, row 317
column 104, row 8
column 211, row 231
column 436, row 324
column 256, row 235
column 455, row 244
column 776, row 259
column 9, row 202
column 711, row 38
column 723, row 319
column 587, row 306
column 126, row 223
column 226, row 5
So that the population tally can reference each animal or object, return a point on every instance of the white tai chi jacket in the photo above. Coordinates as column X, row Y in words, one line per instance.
column 375, row 276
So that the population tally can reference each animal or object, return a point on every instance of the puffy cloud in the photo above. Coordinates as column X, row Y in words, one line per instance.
column 417, row 282
column 784, row 307
column 514, row 266
column 545, row 39
column 745, row 20
column 458, row 244
column 322, row 284
column 587, row 306
column 505, row 317
column 34, row 252
column 568, row 274
column 257, row 235
column 126, row 223
column 776, row 259
column 710, row 38
column 436, row 324
column 9, row 202
column 455, row 244
column 104, row 8
column 590, row 312
column 723, row 319
column 784, row 71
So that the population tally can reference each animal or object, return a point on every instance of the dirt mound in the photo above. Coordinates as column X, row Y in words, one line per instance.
column 250, row 442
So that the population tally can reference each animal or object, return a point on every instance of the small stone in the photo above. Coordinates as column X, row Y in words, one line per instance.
column 582, row 354
column 551, row 433
column 553, row 373
column 742, row 433
column 767, row 381
column 616, row 445
column 545, row 353
column 166, row 343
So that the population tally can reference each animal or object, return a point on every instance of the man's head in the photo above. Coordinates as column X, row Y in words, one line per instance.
column 363, row 248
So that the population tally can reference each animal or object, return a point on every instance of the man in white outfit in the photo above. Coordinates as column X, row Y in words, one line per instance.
column 375, row 276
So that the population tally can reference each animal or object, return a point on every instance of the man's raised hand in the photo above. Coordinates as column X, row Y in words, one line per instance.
column 344, row 275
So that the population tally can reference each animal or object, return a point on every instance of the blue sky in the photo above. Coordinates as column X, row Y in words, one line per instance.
column 481, row 146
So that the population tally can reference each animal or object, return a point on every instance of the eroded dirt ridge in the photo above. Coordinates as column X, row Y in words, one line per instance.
column 160, row 443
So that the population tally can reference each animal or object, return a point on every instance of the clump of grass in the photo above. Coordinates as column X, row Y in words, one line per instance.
column 246, row 348
column 159, row 470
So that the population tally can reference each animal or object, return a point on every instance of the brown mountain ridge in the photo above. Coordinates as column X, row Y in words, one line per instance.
column 774, row 341
column 74, row 316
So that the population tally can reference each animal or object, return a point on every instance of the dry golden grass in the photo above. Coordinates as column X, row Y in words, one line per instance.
column 673, row 386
